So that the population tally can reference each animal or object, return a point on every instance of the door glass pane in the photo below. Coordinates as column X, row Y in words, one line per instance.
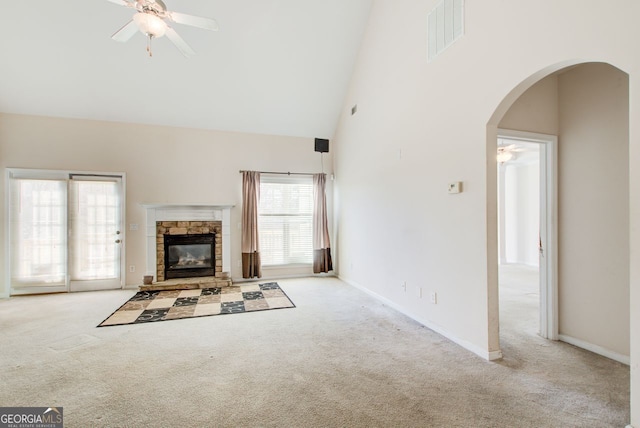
column 38, row 230
column 94, row 223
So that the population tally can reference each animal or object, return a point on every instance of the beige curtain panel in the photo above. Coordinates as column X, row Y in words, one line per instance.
column 321, row 247
column 250, row 244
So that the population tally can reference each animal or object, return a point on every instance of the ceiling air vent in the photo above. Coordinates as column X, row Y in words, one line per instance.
column 446, row 25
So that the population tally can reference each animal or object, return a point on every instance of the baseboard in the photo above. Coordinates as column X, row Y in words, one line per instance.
column 483, row 353
column 624, row 359
column 275, row 278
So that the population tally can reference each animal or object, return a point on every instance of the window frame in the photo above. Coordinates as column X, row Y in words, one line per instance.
column 300, row 179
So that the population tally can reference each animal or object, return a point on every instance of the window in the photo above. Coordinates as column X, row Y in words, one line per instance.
column 285, row 220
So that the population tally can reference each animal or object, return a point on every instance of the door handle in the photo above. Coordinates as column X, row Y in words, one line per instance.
column 118, row 241
column 540, row 249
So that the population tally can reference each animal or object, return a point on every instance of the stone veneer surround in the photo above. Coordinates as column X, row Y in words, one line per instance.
column 187, row 228
column 183, row 216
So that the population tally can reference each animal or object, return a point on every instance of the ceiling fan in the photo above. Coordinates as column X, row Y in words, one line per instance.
column 152, row 19
column 508, row 152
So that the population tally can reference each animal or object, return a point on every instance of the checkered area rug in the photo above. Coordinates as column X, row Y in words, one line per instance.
column 149, row 306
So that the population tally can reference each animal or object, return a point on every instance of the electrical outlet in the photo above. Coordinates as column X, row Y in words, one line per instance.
column 419, row 292
column 404, row 286
column 434, row 297
column 239, row 263
column 132, row 268
column 133, row 226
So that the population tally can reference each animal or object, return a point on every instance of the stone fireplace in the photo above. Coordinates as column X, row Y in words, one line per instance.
column 188, row 242
column 188, row 249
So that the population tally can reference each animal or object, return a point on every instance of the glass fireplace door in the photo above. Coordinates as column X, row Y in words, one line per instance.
column 189, row 255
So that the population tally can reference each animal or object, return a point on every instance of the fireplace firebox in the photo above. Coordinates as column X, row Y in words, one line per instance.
column 188, row 256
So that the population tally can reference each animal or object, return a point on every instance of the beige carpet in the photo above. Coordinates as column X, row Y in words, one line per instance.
column 341, row 359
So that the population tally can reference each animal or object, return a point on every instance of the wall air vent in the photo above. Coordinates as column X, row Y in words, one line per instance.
column 446, row 25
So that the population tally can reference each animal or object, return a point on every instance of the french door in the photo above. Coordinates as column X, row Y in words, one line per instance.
column 66, row 231
column 95, row 232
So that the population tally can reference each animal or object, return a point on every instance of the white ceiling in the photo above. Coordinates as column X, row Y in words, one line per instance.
column 278, row 67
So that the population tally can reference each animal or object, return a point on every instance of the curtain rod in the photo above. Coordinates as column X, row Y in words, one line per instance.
column 281, row 173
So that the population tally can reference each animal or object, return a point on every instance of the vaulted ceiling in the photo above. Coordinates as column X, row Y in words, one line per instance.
column 278, row 67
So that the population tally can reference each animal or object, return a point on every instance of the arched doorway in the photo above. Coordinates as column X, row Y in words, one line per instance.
column 591, row 119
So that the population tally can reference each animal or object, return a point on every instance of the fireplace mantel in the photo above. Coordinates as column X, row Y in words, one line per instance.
column 186, row 212
column 165, row 205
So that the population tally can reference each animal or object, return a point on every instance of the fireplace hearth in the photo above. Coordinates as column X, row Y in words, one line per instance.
column 188, row 256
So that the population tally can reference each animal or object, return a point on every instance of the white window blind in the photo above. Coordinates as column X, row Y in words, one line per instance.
column 94, row 210
column 38, row 231
column 285, row 220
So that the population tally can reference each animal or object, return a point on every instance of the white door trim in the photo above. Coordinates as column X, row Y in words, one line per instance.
column 548, row 226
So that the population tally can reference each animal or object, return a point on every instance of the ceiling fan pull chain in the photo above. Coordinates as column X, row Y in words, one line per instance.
column 149, row 45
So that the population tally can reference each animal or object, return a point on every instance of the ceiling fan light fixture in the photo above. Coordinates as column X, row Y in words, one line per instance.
column 150, row 25
column 504, row 155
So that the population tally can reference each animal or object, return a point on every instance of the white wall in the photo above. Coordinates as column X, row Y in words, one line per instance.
column 536, row 110
column 593, row 224
column 421, row 125
column 162, row 165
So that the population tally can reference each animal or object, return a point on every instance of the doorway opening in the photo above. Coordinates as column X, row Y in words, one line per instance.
column 526, row 232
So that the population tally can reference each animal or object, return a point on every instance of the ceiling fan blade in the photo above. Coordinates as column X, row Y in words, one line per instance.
column 194, row 21
column 179, row 42
column 126, row 32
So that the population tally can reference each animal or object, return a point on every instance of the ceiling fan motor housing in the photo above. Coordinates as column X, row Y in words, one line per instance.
column 156, row 7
